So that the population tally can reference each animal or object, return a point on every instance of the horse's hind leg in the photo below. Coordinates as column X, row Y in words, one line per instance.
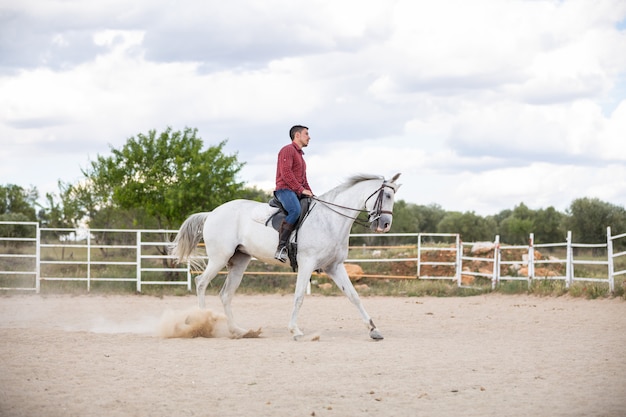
column 203, row 280
column 236, row 267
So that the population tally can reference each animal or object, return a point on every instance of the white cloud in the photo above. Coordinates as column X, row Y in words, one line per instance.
column 540, row 185
column 480, row 105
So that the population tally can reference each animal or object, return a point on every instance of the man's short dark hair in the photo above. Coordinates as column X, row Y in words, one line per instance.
column 295, row 129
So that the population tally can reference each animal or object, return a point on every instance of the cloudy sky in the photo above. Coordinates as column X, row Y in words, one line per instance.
column 480, row 104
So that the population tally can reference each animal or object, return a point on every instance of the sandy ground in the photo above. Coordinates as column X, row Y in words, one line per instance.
column 491, row 355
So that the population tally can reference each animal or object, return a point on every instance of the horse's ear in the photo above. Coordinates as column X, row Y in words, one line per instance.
column 395, row 177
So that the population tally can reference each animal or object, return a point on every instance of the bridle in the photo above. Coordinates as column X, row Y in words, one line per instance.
column 373, row 215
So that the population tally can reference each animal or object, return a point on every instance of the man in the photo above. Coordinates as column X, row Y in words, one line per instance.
column 291, row 184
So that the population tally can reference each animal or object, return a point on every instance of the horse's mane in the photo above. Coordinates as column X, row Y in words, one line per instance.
column 351, row 181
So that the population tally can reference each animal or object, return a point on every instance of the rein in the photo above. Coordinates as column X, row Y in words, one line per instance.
column 376, row 212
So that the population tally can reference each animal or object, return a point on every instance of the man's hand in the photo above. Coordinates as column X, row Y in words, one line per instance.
column 307, row 193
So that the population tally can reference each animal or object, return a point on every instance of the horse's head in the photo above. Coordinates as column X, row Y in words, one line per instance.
column 379, row 205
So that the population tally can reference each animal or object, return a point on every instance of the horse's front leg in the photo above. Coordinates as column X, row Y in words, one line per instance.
column 304, row 275
column 340, row 277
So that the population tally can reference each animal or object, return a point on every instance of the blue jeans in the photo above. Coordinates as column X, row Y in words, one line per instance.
column 291, row 203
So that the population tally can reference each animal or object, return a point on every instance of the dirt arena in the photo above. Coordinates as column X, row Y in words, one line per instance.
column 491, row 355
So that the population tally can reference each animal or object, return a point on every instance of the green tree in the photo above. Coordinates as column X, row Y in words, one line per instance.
column 404, row 220
column 414, row 218
column 256, row 194
column 167, row 176
column 517, row 226
column 516, row 231
column 588, row 219
column 501, row 216
column 18, row 203
column 549, row 226
column 429, row 217
column 65, row 210
column 469, row 225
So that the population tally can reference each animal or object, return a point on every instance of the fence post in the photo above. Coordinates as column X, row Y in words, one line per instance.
column 495, row 279
column 569, row 264
column 609, row 254
column 138, row 240
column 531, row 258
column 88, row 259
column 38, row 260
column 459, row 260
column 419, row 251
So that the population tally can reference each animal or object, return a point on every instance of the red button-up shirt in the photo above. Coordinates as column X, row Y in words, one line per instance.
column 291, row 169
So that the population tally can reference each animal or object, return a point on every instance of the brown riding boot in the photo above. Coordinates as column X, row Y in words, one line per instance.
column 284, row 231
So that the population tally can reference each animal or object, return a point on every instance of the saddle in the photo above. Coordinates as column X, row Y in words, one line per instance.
column 277, row 218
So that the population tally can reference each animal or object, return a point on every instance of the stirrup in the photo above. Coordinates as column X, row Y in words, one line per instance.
column 281, row 254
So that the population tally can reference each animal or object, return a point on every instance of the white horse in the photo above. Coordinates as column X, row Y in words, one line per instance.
column 236, row 231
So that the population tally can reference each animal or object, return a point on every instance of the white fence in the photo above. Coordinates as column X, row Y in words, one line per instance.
column 139, row 257
column 83, row 255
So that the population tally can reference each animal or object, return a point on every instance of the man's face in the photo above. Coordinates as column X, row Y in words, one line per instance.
column 302, row 138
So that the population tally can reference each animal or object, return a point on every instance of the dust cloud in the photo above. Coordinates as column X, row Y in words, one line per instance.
column 194, row 322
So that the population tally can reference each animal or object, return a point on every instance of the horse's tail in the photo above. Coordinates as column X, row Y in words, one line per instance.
column 187, row 239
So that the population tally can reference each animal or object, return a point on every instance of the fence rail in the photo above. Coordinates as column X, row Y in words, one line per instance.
column 85, row 255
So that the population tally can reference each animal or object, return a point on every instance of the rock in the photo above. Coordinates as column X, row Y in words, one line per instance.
column 355, row 272
column 467, row 279
column 479, row 248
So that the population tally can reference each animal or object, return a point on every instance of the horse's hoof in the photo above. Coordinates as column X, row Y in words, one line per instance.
column 296, row 332
column 376, row 335
column 252, row 334
column 240, row 333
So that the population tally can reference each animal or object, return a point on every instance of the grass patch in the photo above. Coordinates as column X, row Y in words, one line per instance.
column 589, row 290
column 620, row 287
column 285, row 285
column 547, row 287
column 401, row 288
column 513, row 287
